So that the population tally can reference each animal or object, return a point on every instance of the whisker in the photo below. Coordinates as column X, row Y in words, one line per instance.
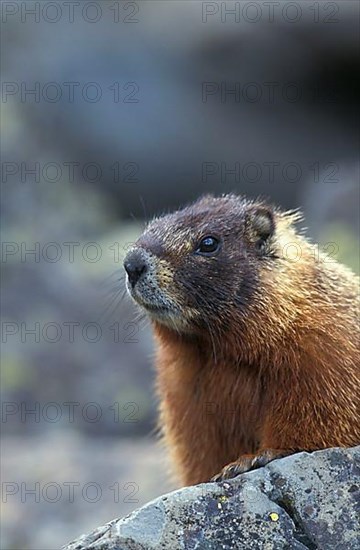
column 110, row 291
column 144, row 208
column 108, row 279
column 110, row 307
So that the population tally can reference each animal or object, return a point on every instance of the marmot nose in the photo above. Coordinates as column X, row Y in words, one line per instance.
column 135, row 266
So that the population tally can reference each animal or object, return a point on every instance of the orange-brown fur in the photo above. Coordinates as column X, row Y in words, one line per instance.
column 281, row 376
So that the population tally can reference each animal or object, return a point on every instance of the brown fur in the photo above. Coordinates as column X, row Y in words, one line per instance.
column 244, row 381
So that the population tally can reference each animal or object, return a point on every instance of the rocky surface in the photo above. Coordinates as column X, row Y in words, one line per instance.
column 302, row 501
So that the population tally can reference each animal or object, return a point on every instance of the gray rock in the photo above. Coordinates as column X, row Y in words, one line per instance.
column 302, row 501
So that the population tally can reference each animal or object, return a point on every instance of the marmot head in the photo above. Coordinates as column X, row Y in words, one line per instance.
column 198, row 268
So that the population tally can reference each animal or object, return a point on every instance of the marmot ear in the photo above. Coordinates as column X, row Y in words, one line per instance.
column 260, row 222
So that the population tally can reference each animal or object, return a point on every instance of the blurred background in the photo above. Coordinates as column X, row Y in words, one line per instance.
column 112, row 112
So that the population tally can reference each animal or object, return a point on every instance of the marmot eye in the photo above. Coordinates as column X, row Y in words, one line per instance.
column 208, row 245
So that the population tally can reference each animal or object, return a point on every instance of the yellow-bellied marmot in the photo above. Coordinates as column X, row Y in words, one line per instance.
column 257, row 352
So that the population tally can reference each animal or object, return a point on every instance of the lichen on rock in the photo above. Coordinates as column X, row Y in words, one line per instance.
column 304, row 501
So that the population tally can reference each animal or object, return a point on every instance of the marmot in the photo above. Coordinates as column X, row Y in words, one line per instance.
column 257, row 336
